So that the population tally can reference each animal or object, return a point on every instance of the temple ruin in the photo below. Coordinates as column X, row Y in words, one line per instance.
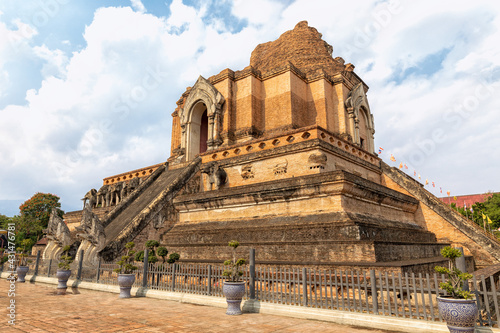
column 279, row 156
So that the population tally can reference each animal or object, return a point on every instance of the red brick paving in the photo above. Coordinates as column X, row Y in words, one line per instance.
column 39, row 309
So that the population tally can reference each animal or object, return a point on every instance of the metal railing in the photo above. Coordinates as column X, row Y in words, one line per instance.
column 383, row 293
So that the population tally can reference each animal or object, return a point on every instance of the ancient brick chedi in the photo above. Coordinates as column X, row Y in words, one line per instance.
column 279, row 156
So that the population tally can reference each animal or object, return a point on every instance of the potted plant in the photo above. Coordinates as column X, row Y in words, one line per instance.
column 126, row 276
column 64, row 271
column 233, row 288
column 22, row 267
column 458, row 308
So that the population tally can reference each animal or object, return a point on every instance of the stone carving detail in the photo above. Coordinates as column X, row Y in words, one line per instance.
column 58, row 236
column 109, row 195
column 90, row 227
column 115, row 190
column 280, row 168
column 91, row 233
column 357, row 106
column 102, row 195
column 317, row 161
column 91, row 196
column 247, row 172
column 217, row 176
column 57, row 230
column 193, row 186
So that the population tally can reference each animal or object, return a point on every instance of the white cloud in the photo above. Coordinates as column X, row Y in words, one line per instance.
column 106, row 107
column 138, row 6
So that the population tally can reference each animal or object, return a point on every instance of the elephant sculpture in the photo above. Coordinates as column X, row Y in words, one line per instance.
column 91, row 197
column 101, row 196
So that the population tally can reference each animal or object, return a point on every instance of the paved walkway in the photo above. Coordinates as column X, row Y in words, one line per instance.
column 40, row 309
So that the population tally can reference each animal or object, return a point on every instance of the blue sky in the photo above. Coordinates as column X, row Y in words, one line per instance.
column 87, row 87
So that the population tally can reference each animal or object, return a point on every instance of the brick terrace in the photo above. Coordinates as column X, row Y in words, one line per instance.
column 39, row 309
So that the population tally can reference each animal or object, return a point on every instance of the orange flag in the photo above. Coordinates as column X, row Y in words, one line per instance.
column 393, row 158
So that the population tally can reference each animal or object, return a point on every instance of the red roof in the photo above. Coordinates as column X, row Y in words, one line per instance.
column 468, row 200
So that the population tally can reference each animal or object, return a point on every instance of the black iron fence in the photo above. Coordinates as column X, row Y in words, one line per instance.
column 382, row 293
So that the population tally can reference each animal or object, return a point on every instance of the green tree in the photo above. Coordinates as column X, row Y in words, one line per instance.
column 40, row 206
column 4, row 221
column 492, row 209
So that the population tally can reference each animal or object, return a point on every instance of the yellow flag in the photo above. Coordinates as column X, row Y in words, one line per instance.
column 484, row 216
column 455, row 198
column 489, row 220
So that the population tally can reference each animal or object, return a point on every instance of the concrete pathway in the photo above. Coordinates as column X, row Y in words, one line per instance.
column 40, row 309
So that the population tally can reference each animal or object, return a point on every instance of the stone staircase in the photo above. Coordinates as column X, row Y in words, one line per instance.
column 480, row 242
column 132, row 215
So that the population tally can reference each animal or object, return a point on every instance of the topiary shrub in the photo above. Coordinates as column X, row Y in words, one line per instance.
column 455, row 277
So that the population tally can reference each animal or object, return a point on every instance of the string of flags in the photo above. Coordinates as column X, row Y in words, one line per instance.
column 403, row 166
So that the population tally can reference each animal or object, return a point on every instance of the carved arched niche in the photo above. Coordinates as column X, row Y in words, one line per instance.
column 203, row 97
column 359, row 113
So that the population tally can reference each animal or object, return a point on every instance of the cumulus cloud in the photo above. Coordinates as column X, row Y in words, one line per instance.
column 104, row 108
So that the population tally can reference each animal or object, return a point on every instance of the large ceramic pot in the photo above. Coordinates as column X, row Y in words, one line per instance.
column 234, row 292
column 125, row 281
column 460, row 314
column 21, row 273
column 62, row 279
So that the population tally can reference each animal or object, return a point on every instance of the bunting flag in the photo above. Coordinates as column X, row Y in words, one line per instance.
column 415, row 173
column 433, row 185
column 455, row 198
column 426, row 182
column 448, row 193
column 406, row 167
column 419, row 176
column 440, row 190
column 380, row 150
column 393, row 158
column 401, row 165
column 489, row 220
column 484, row 217
column 471, row 210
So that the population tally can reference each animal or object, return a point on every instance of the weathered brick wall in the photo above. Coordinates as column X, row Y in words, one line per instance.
column 440, row 219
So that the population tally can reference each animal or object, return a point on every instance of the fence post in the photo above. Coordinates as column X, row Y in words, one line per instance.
column 373, row 280
column 173, row 276
column 98, row 275
column 304, row 285
column 37, row 262
column 145, row 269
column 209, row 280
column 48, row 269
column 252, row 273
column 460, row 262
column 80, row 266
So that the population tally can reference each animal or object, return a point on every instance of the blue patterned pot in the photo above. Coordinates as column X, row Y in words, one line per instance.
column 62, row 279
column 21, row 273
column 234, row 292
column 125, row 281
column 460, row 314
